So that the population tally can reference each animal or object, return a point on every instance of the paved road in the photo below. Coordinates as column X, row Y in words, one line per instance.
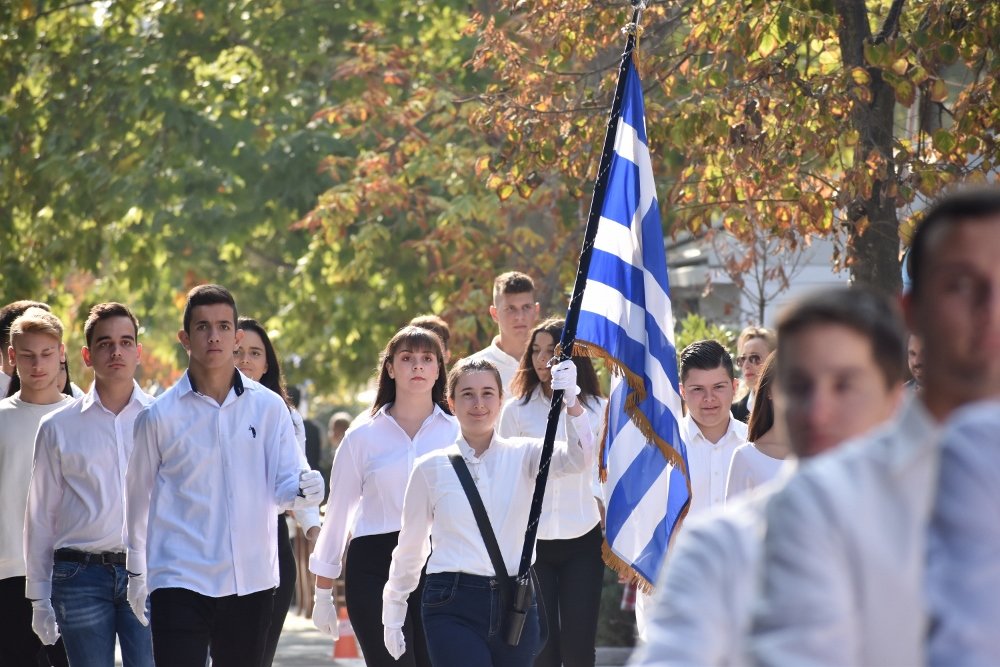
column 302, row 645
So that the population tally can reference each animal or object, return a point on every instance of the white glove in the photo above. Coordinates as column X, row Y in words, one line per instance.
column 311, row 489
column 43, row 621
column 325, row 613
column 564, row 377
column 137, row 595
column 395, row 642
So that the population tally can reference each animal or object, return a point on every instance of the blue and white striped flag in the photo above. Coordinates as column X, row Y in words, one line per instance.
column 625, row 318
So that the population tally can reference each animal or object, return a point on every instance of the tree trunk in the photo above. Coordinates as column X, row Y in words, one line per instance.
column 873, row 226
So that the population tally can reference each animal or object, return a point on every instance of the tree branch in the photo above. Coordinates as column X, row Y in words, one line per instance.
column 891, row 23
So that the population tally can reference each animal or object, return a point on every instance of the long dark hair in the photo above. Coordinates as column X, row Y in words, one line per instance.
column 526, row 378
column 273, row 378
column 417, row 340
column 762, row 416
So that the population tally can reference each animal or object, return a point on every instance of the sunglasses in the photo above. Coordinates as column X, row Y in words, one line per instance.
column 753, row 359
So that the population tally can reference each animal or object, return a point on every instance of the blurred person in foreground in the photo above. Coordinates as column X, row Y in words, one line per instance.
column 844, row 552
column 835, row 377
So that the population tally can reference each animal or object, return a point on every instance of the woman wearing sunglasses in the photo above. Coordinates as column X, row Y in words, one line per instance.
column 753, row 346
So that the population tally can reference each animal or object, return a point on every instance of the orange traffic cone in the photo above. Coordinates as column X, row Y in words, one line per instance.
column 346, row 646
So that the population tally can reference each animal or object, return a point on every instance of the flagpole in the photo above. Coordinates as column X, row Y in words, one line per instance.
column 522, row 596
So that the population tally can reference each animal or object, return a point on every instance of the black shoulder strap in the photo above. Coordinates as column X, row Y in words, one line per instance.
column 482, row 519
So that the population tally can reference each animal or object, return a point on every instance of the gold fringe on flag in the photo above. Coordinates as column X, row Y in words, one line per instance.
column 636, row 395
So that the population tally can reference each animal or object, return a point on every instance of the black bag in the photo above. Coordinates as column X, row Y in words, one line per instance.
column 515, row 611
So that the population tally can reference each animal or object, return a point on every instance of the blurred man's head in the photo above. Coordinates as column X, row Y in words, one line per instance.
column 954, row 300
column 840, row 367
column 337, row 427
column 438, row 326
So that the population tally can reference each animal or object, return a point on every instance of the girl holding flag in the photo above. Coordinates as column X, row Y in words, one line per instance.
column 464, row 620
column 569, row 565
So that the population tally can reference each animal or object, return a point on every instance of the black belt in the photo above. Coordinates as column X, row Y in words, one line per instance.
column 85, row 557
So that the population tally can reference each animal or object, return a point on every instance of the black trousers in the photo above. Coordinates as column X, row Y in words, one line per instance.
column 19, row 645
column 188, row 627
column 570, row 574
column 283, row 593
column 368, row 560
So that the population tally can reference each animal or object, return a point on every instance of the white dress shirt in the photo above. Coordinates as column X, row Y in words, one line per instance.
column 76, row 497
column 209, row 479
column 570, row 507
column 436, row 507
column 307, row 517
column 963, row 572
column 701, row 611
column 18, row 428
column 368, row 479
column 708, row 462
column 506, row 364
column 4, row 381
column 749, row 469
column 844, row 552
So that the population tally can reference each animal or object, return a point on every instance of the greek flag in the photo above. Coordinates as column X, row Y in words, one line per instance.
column 625, row 318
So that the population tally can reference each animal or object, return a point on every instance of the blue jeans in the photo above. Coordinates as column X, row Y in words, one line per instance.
column 91, row 607
column 464, row 623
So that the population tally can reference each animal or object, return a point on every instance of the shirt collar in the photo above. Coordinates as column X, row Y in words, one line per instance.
column 91, row 398
column 498, row 352
column 383, row 412
column 692, row 432
column 187, row 383
column 469, row 454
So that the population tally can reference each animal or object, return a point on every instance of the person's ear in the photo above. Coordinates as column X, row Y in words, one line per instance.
column 239, row 337
column 681, row 387
column 451, row 404
column 493, row 313
column 185, row 339
column 388, row 369
column 11, row 355
column 85, row 352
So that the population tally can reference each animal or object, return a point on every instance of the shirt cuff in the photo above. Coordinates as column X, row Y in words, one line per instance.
column 135, row 562
column 323, row 569
column 393, row 612
column 38, row 590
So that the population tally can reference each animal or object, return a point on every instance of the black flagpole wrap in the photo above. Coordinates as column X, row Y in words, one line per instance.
column 522, row 593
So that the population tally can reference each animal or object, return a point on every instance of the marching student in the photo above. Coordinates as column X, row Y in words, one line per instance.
column 515, row 311
column 74, row 548
column 568, row 562
column 215, row 458
column 408, row 419
column 760, row 459
column 752, row 348
column 34, row 353
column 256, row 358
column 8, row 314
column 838, row 374
column 464, row 623
column 844, row 559
column 710, row 431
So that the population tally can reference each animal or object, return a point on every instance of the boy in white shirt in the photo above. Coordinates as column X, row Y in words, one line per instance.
column 215, row 459
column 35, row 351
column 515, row 311
column 74, row 546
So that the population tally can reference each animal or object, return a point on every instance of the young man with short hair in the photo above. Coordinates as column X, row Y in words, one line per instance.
column 838, row 375
column 515, row 311
column 215, row 459
column 711, row 433
column 709, row 430
column 8, row 314
column 35, row 351
column 74, row 547
column 845, row 549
